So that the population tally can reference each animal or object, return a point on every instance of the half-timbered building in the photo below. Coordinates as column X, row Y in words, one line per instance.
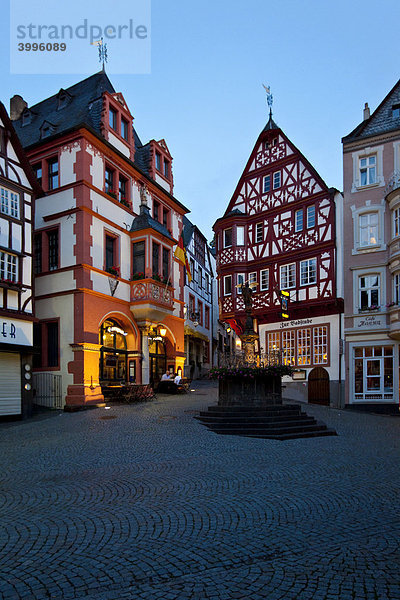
column 371, row 184
column 108, row 291
column 282, row 231
column 17, row 189
column 199, row 302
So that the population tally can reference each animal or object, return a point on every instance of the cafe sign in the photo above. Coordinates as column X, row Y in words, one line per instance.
column 14, row 331
column 370, row 322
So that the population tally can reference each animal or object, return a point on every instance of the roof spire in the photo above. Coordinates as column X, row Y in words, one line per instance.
column 269, row 98
column 102, row 47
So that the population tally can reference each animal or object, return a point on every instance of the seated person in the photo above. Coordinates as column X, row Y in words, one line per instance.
column 177, row 379
column 165, row 377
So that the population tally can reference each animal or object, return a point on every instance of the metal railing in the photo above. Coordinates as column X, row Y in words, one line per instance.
column 246, row 359
column 47, row 390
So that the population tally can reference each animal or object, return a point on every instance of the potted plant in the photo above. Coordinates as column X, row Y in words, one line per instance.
column 137, row 276
column 114, row 271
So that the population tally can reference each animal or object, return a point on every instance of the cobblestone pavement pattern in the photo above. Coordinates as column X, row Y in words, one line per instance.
column 148, row 504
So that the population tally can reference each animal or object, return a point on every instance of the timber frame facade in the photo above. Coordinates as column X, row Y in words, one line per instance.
column 282, row 230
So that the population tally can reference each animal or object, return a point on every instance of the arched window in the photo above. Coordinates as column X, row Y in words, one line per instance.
column 113, row 354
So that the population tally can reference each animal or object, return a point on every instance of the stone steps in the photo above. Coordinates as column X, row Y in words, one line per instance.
column 279, row 422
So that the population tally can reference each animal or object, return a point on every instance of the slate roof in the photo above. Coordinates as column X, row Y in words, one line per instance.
column 144, row 221
column 381, row 120
column 271, row 123
column 83, row 107
column 187, row 231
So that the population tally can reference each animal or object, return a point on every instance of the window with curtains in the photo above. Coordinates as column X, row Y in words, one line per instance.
column 369, row 291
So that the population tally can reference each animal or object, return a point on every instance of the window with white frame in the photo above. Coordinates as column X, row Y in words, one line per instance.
column 308, row 271
column 253, row 277
column 9, row 203
column 373, row 373
column 288, row 276
column 227, row 285
column 298, row 220
column 310, row 217
column 289, row 347
column 264, row 279
column 304, row 346
column 239, row 235
column 273, row 342
column 368, row 229
column 396, row 222
column 267, row 184
column 277, row 180
column 228, row 237
column 259, row 233
column 396, row 288
column 8, row 266
column 320, row 345
column 367, row 167
column 369, row 291
column 240, row 282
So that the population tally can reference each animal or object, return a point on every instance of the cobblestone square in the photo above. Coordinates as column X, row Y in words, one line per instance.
column 143, row 502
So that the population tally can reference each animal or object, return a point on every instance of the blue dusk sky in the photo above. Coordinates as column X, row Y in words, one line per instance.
column 203, row 92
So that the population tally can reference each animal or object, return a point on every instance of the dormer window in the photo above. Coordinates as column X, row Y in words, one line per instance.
column 166, row 168
column 46, row 130
column 396, row 111
column 124, row 128
column 158, row 161
column 112, row 118
column 26, row 117
column 63, row 99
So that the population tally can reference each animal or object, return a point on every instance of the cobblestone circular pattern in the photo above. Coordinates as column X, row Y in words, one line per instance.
column 151, row 505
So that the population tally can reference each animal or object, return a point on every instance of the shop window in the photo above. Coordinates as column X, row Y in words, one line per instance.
column 113, row 353
column 304, row 347
column 320, row 345
column 373, row 373
column 273, row 343
column 289, row 347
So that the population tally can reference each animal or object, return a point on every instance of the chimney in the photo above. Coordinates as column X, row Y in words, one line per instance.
column 17, row 106
column 367, row 112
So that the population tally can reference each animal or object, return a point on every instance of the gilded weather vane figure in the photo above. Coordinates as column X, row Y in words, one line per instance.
column 270, row 98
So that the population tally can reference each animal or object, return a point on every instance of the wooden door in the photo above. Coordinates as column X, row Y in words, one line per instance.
column 318, row 386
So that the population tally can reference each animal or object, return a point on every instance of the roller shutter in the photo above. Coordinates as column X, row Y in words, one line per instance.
column 10, row 383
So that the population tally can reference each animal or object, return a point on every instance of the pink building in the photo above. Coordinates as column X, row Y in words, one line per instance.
column 371, row 163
